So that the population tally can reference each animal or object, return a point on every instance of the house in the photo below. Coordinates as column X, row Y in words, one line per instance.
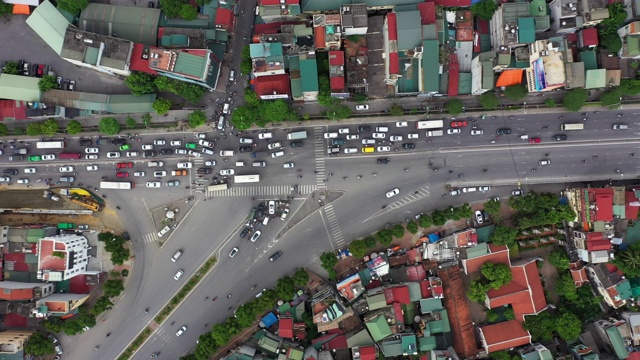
column 610, row 284
column 630, row 36
column 503, row 336
column 62, row 257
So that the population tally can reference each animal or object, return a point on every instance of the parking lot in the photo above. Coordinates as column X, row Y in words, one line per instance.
column 32, row 49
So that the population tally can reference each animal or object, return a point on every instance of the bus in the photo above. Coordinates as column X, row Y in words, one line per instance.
column 69, row 156
column 218, row 187
column 429, row 124
column 118, row 185
column 575, row 126
column 50, row 145
column 241, row 179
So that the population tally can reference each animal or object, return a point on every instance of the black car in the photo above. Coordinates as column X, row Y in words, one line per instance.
column 86, row 142
column 10, row 172
column 364, row 128
column 409, row 146
column 503, row 131
column 205, row 171
column 295, row 144
column 383, row 160
column 245, row 149
column 559, row 137
column 119, row 141
column 166, row 151
column 149, row 153
column 275, row 256
column 244, row 232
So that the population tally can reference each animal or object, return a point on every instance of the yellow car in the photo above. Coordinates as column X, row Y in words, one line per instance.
column 368, row 149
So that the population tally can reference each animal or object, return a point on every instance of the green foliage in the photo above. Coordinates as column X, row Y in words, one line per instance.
column 251, row 98
column 300, row 277
column 109, row 126
column 47, row 83
column 11, row 67
column 550, row 103
column 197, row 118
column 575, row 99
column 285, row 288
column 568, row 326
column 245, row 65
column 113, row 287
column 370, row 242
column 162, row 106
column 74, row 127
column 397, row 231
column 515, row 92
column 497, row 274
column 493, row 208
column 484, row 9
column 425, row 221
column 49, row 127
column 477, row 291
column 492, row 316
column 39, row 345
column 566, row 288
column 4, row 130
column 73, row 6
column 131, row 122
column 540, row 326
column 489, row 100
column 171, row 7
column 102, row 304
column 628, row 261
column 539, row 209
column 504, row 235
column 338, row 112
column 243, row 117
column 34, row 129
column 412, row 227
column 140, row 83
column 509, row 314
column 188, row 12
column 559, row 259
column 146, row 119
column 385, row 237
column 358, row 248
column 18, row 130
column 396, row 110
column 455, row 106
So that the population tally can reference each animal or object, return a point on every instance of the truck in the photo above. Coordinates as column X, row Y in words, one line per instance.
column 432, row 133
column 429, row 124
column 259, row 154
column 297, row 135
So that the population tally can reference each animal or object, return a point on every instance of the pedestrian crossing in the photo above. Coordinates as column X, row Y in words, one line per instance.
column 417, row 195
column 255, row 191
column 334, row 225
column 318, row 147
column 150, row 237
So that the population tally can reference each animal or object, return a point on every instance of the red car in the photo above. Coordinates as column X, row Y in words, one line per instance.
column 122, row 174
column 124, row 165
column 459, row 124
column 534, row 141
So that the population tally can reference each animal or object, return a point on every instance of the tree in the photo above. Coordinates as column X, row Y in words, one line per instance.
column 243, row 117
column 455, row 106
column 74, row 127
column 540, row 326
column 550, row 103
column 425, row 221
column 73, row 6
column 130, row 122
column 497, row 274
column 568, row 326
column 285, row 288
column 49, row 127
column 11, row 67
column 515, row 92
column 575, row 99
column 492, row 206
column 47, row 83
column 397, row 231
column 504, row 235
column 358, row 249
column 113, row 287
column 109, row 126
column 396, row 110
column 559, row 259
column 484, row 9
column 162, row 106
column 370, row 242
column 171, row 7
column 628, row 261
column 385, row 237
column 188, row 12
column 251, row 98
column 477, row 291
column 34, row 129
column 566, row 288
column 140, row 83
column 4, row 130
column 39, row 345
column 412, row 227
column 489, row 101
column 196, row 118
column 301, row 277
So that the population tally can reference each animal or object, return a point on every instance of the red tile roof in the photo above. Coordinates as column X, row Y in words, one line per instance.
column 454, row 75
column 498, row 254
column 427, row 13
column 268, row 84
column 524, row 292
column 503, row 336
column 319, row 32
column 138, row 63
column 224, row 19
column 453, row 3
column 457, row 305
column 398, row 294
column 285, row 327
column 589, row 37
column 631, row 210
column 368, row 352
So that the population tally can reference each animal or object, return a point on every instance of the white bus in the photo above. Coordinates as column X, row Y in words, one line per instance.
column 217, row 187
column 118, row 185
column 429, row 124
column 241, row 179
column 50, row 145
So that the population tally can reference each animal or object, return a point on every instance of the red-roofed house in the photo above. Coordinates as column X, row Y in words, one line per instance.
column 285, row 327
column 62, row 257
column 588, row 37
column 224, row 19
column 503, row 336
column 271, row 87
column 140, row 59
column 427, row 13
column 498, row 254
column 578, row 273
column 336, row 71
column 398, row 294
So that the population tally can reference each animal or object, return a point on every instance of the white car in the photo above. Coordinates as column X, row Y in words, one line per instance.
column 176, row 277
column 160, row 173
column 66, row 169
column 176, row 143
column 353, row 137
column 91, row 150
column 379, row 135
column 181, row 152
column 392, row 193
column 23, row 181
column 479, row 217
column 413, row 136
column 343, row 131
column 210, row 163
column 91, row 157
column 147, row 147
column 154, row 184
column 402, row 124
column 48, row 157
column 350, row 150
column 245, row 140
column 92, row 167
column 31, row 170
column 477, row 132
column 454, row 131
column 185, row 165
column 225, row 172
column 395, row 138
column 181, row 330
column 288, row 165
column 139, row 173
column 132, row 153
column 274, row 145
column 266, row 135
column 207, row 143
column 285, row 212
column 384, row 148
column 330, row 135
column 544, row 162
column 113, row 154
column 159, row 142
column 368, row 141
column 362, row 107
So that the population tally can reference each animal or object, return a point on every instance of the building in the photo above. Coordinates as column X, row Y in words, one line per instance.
column 62, row 257
column 103, row 53
column 197, row 66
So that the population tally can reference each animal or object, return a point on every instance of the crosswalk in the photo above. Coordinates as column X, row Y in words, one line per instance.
column 150, row 237
column 254, row 191
column 319, row 149
column 334, row 225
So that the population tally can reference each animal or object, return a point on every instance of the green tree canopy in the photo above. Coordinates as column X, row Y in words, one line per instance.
column 489, row 100
column 559, row 259
column 74, row 127
column 484, row 9
column 197, row 118
column 162, row 106
column 34, row 129
column 455, row 106
column 575, row 99
column 568, row 326
column 497, row 274
column 49, row 127
column 140, row 83
column 73, row 6
column 516, row 92
column 243, row 117
column 504, row 235
column 47, row 83
column 39, row 345
column 188, row 12
column 109, row 126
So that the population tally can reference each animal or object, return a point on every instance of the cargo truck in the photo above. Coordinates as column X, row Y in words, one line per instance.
column 297, row 135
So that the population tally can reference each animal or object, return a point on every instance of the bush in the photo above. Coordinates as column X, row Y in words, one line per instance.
column 109, row 126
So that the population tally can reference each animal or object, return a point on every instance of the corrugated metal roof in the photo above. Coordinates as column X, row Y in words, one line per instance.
column 49, row 24
column 409, row 29
column 16, row 87
column 134, row 23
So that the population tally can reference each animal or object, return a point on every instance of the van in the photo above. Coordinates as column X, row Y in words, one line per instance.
column 569, row 127
column 221, row 123
column 620, row 127
column 225, row 108
column 232, row 75
column 227, row 152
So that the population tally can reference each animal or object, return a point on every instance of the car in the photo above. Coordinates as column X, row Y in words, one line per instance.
column 459, row 123
column 288, row 165
column 182, row 329
column 65, row 169
column 92, row 167
column 395, row 138
column 277, row 154
column 203, row 142
column 409, row 146
column 272, row 207
column 516, row 192
column 147, row 147
column 48, row 157
column 452, row 131
column 377, row 135
column 124, row 165
column 330, row 135
column 245, row 140
column 343, row 131
column 30, row 170
column 179, row 172
column 125, row 147
column 274, row 145
column 132, row 154
column 176, row 256
column 535, row 140
column 173, row 183
column 226, row 172
column 544, row 162
column 484, row 188
column 122, row 174
column 559, row 137
column 181, row 152
column 285, row 213
column 362, row 107
column 364, row 128
column 353, row 137
column 413, row 136
column 113, row 155
column 392, row 193
column 72, row 85
column 210, row 163
column 402, row 124
column 153, row 184
column 176, row 143
column 139, row 173
column 503, row 131
column 275, row 256
column 244, row 149
column 58, row 349
column 368, row 141
column 350, row 150
column 160, row 173
column 10, row 171
column 454, row 192
column 159, row 142
column 233, row 252
column 383, row 160
column 92, row 150
column 166, row 151
column 384, row 148
column 149, row 153
column 204, row 170
column 479, row 217
column 194, row 154
column 475, row 132
column 23, row 181
column 296, row 144
column 265, row 135
column 255, row 236
column 185, row 165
